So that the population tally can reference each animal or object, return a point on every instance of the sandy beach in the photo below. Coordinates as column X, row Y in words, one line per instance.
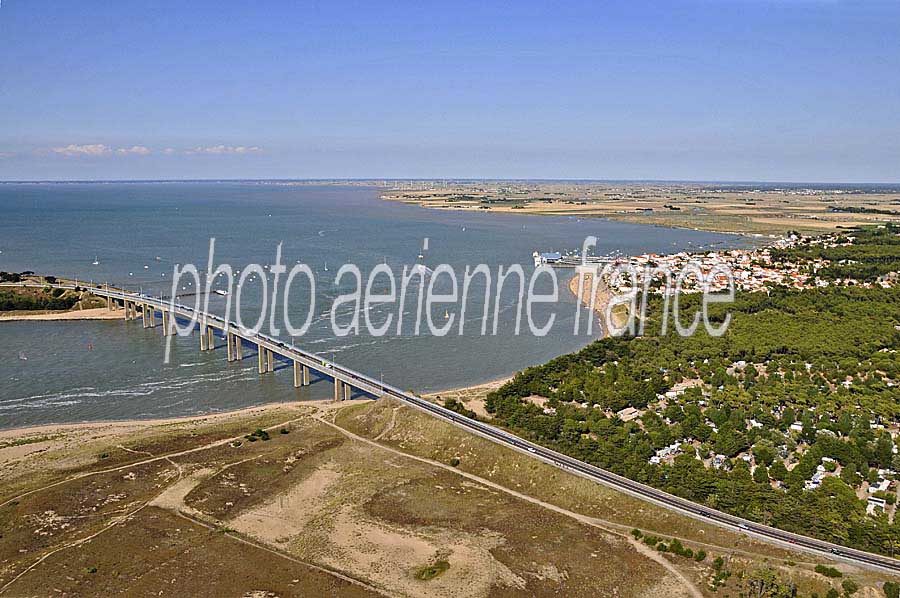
column 19, row 443
column 473, row 397
column 96, row 313
column 110, row 428
column 599, row 302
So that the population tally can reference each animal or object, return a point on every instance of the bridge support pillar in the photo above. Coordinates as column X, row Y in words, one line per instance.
column 151, row 317
column 298, row 375
column 203, row 337
column 125, row 304
column 305, row 375
column 238, row 347
column 144, row 315
column 211, row 338
column 165, row 322
column 229, row 342
column 270, row 361
column 337, row 389
column 347, row 391
column 261, row 359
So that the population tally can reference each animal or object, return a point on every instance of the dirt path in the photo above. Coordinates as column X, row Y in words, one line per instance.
column 283, row 555
column 645, row 550
column 171, row 497
column 391, row 423
column 153, row 459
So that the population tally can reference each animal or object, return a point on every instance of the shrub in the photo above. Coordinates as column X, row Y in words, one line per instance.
column 828, row 571
column 454, row 461
column 700, row 556
column 432, row 571
column 457, row 406
column 850, row 587
column 891, row 589
column 258, row 434
column 637, row 533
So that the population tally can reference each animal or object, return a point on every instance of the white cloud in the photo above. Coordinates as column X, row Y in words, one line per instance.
column 137, row 150
column 225, row 149
column 95, row 149
column 99, row 149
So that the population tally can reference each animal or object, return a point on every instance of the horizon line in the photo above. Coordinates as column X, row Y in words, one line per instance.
column 440, row 179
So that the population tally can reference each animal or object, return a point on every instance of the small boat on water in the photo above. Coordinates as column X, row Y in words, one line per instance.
column 446, row 314
column 96, row 261
column 220, row 292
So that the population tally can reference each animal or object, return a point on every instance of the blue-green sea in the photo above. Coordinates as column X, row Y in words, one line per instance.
column 137, row 232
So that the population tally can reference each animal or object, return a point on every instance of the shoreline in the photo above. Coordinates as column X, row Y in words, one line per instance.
column 123, row 425
column 489, row 384
column 600, row 301
column 95, row 313
column 7, row 434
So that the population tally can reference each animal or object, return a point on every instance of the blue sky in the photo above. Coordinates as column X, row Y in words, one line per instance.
column 789, row 90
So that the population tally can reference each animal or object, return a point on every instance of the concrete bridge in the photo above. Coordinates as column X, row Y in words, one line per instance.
column 151, row 310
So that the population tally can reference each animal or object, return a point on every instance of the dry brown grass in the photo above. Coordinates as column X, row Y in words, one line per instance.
column 318, row 511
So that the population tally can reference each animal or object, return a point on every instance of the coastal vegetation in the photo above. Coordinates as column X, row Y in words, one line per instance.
column 36, row 299
column 789, row 419
column 40, row 296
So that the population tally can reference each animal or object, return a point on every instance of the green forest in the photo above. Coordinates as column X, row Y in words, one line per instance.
column 786, row 419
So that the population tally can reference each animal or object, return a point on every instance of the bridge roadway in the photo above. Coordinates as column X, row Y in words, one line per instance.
column 658, row 497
